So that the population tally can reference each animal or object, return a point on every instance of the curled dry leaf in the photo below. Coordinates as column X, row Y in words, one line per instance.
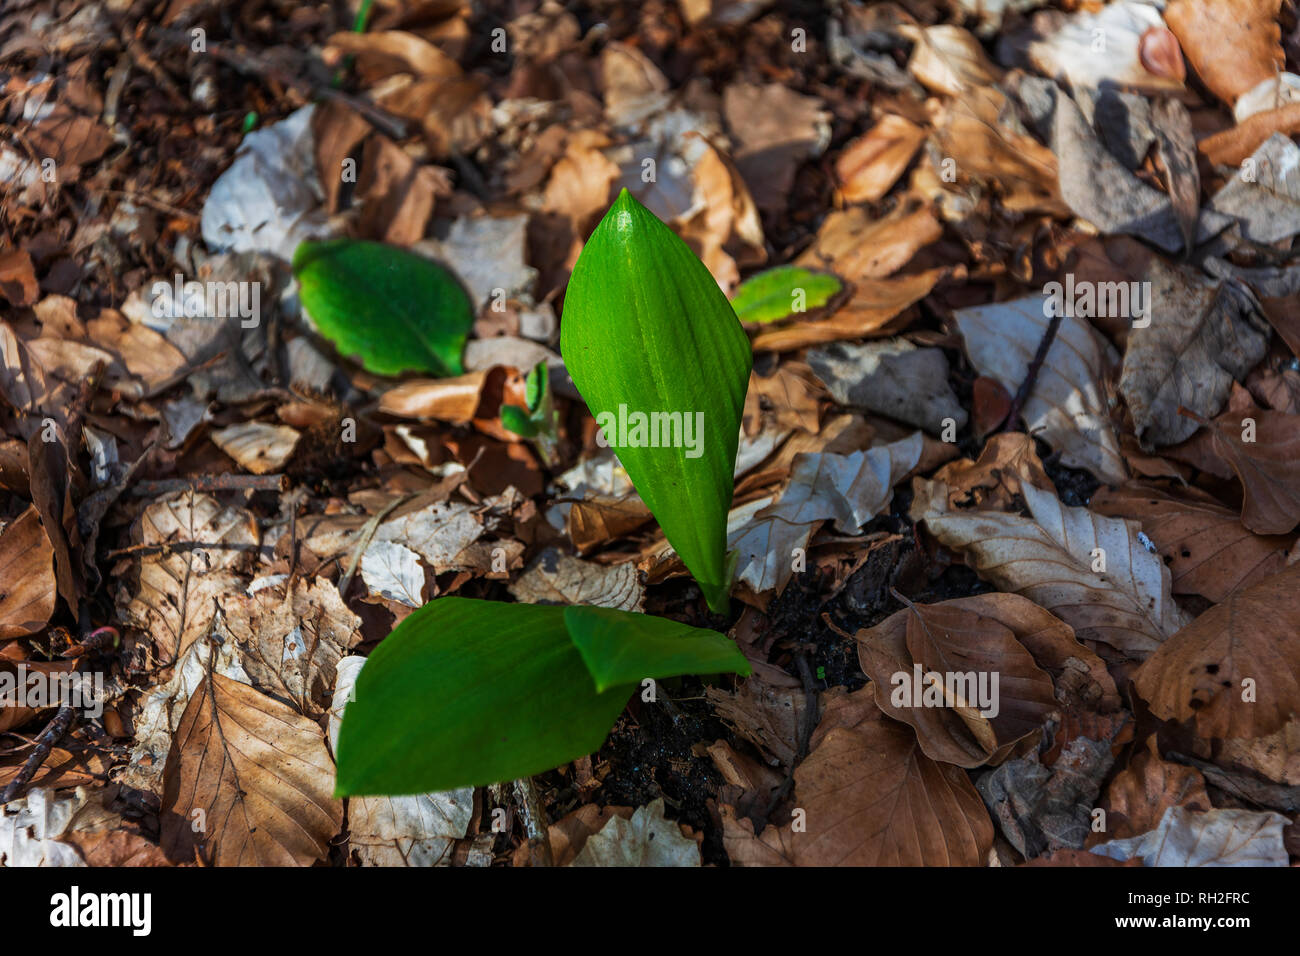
column 255, row 774
column 1208, row 550
column 992, row 697
column 872, row 798
column 28, row 591
column 1235, row 670
column 1088, row 570
column 948, row 59
column 1068, row 407
column 992, row 483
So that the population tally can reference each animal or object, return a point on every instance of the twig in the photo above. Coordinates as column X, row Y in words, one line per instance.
column 1031, row 377
column 50, row 736
column 534, row 820
column 363, row 541
column 805, row 735
column 223, row 482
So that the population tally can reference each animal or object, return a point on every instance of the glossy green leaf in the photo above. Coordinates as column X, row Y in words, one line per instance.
column 392, row 310
column 621, row 648
column 656, row 350
column 466, row 692
column 775, row 294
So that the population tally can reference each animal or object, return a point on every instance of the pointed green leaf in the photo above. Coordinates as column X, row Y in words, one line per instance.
column 623, row 648
column 465, row 693
column 651, row 341
column 391, row 309
column 772, row 295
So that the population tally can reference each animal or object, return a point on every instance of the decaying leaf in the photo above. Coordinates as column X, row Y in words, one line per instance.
column 27, row 570
column 558, row 578
column 647, row 839
column 1212, row 838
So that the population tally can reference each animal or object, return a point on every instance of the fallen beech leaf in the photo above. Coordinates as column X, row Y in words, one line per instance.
column 29, row 589
column 257, row 446
column 596, row 521
column 990, row 695
column 454, row 400
column 872, row 163
column 1199, row 673
column 394, row 572
column 569, row 834
column 258, row 773
column 1050, row 559
column 873, row 799
column 558, row 578
column 179, row 585
column 1068, row 407
column 1233, row 146
column 856, row 247
column 1267, row 465
column 777, row 129
column 1208, row 550
column 1232, row 46
column 1213, row 838
column 948, row 59
column 1138, row 797
column 646, row 839
column 791, row 392
column 1201, row 335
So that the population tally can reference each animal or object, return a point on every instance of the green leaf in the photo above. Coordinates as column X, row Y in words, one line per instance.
column 646, row 331
column 622, row 648
column 520, row 422
column 465, row 693
column 770, row 295
column 391, row 309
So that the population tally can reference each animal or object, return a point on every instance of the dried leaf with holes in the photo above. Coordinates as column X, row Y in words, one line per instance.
column 1235, row 670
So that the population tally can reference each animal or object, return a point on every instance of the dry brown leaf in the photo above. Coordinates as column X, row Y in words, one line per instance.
column 1201, row 336
column 1208, row 550
column 1267, row 465
column 1140, row 794
column 27, row 585
column 777, row 129
column 397, row 193
column 1213, row 838
column 872, row 163
column 594, row 522
column 992, row 483
column 257, row 446
column 643, row 839
column 872, row 798
column 1055, row 558
column 792, row 395
column 875, row 308
column 1233, row 46
column 248, row 782
column 1235, row 670
column 856, row 247
column 948, row 59
column 379, row 55
column 1234, row 145
column 569, row 834
column 966, row 722
column 454, row 400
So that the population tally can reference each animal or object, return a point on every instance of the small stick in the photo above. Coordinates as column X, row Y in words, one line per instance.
column 534, row 820
column 223, row 482
column 50, row 736
column 1031, row 377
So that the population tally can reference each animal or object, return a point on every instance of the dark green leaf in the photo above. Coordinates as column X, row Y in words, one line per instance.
column 465, row 693
column 391, row 309
column 774, row 294
column 646, row 332
column 622, row 648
